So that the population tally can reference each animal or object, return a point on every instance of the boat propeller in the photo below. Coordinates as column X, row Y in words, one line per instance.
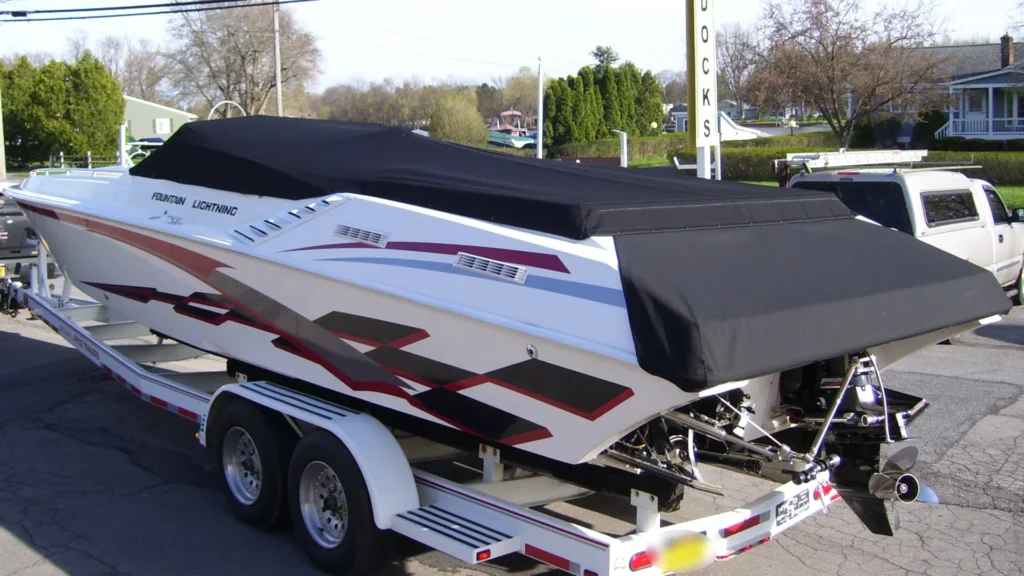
column 895, row 483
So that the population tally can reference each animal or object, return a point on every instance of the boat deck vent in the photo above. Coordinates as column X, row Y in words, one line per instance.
column 491, row 267
column 365, row 236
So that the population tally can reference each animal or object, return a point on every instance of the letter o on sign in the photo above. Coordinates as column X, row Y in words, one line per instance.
column 704, row 34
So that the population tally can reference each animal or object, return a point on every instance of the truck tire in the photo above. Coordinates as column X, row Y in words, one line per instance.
column 253, row 449
column 330, row 507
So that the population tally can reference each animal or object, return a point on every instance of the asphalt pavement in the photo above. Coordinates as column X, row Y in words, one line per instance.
column 95, row 482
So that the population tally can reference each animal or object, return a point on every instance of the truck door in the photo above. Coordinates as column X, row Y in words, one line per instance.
column 1007, row 256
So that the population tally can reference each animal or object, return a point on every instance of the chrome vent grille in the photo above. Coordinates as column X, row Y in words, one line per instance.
column 365, row 236
column 491, row 267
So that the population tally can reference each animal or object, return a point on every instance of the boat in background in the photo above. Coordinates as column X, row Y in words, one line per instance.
column 507, row 130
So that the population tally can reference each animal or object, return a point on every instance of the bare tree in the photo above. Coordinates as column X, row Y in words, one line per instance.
column 849, row 66
column 76, row 45
column 229, row 55
column 673, row 86
column 737, row 56
column 111, row 53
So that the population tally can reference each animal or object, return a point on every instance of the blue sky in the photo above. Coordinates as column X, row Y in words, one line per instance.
column 470, row 39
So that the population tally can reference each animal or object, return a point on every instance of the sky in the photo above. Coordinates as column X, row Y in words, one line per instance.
column 471, row 40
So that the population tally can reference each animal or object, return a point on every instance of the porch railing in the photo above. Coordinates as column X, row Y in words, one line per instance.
column 981, row 127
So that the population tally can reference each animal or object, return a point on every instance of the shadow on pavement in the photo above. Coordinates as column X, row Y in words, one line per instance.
column 93, row 481
column 1006, row 333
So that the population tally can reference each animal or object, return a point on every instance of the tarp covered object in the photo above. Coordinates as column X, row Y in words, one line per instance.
column 723, row 281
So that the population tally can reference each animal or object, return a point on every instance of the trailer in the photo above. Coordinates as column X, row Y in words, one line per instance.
column 349, row 484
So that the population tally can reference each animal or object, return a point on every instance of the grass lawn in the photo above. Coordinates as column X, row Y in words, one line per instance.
column 1012, row 195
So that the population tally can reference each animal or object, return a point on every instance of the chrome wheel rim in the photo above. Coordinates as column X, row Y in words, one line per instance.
column 323, row 504
column 242, row 466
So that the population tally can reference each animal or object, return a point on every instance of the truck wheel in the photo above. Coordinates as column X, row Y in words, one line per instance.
column 331, row 509
column 253, row 450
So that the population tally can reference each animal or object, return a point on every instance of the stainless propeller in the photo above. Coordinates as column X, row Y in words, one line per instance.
column 894, row 482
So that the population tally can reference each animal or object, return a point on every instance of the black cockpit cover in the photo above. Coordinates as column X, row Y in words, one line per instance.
column 723, row 281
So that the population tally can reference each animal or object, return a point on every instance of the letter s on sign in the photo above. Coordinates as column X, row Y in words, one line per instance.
column 707, row 128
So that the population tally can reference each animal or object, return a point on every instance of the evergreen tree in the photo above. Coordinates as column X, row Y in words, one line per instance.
column 608, row 88
column 61, row 107
column 649, row 105
column 628, row 84
column 594, row 127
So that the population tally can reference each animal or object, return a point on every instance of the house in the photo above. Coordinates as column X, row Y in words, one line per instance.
column 730, row 109
column 987, row 85
column 151, row 120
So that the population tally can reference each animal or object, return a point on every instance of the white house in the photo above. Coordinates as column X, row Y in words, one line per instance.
column 987, row 82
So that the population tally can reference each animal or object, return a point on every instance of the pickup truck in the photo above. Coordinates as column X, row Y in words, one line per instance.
column 947, row 209
column 17, row 244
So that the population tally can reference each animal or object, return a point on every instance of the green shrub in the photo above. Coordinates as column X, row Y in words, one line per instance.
column 999, row 168
column 659, row 146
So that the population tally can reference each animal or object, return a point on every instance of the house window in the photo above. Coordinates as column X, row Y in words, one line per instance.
column 976, row 102
column 1020, row 105
column 162, row 125
column 949, row 207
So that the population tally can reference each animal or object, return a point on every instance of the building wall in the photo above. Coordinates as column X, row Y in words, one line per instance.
column 148, row 120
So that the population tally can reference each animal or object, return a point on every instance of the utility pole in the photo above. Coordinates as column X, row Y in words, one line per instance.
column 3, row 158
column 540, row 110
column 277, row 60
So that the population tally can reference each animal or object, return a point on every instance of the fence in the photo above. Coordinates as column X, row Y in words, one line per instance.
column 87, row 160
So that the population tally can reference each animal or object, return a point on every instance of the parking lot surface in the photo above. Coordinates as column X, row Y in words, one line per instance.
column 95, row 482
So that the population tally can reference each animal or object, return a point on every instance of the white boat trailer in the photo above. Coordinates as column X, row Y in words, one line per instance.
column 488, row 517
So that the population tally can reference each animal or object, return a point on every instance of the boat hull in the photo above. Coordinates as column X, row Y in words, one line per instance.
column 500, row 384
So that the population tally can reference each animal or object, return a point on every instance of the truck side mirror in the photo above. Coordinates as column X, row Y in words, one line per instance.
column 1018, row 215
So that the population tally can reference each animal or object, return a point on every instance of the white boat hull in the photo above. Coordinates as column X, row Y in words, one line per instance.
column 452, row 358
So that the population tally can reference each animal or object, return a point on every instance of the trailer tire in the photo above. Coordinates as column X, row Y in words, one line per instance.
column 340, row 535
column 244, row 426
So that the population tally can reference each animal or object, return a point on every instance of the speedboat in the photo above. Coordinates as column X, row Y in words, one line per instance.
column 584, row 318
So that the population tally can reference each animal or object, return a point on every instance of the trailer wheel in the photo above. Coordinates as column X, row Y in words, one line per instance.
column 253, row 452
column 331, row 508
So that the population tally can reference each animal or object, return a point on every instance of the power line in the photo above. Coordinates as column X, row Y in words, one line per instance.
column 129, row 7
column 233, row 7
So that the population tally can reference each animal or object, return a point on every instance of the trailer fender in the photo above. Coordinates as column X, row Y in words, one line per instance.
column 383, row 464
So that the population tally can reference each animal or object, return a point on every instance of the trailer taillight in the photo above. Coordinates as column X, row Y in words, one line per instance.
column 641, row 560
column 483, row 555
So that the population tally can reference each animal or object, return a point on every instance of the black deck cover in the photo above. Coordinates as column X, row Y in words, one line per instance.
column 298, row 158
column 723, row 281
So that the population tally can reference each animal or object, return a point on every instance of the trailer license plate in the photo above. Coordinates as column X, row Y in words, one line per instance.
column 691, row 552
column 791, row 508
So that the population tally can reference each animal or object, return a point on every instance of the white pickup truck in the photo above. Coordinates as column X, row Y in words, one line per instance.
column 945, row 208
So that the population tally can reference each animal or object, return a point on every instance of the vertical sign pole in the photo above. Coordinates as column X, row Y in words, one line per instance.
column 540, row 110
column 702, row 104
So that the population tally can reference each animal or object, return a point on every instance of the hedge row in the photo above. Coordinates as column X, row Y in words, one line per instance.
column 961, row 144
column 999, row 168
column 659, row 146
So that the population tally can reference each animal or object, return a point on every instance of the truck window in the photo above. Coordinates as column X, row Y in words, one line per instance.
column 999, row 213
column 949, row 207
column 882, row 202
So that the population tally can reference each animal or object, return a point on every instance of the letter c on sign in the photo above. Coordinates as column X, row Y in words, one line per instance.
column 704, row 34
column 704, row 65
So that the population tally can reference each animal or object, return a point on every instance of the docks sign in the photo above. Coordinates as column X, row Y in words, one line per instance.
column 702, row 71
